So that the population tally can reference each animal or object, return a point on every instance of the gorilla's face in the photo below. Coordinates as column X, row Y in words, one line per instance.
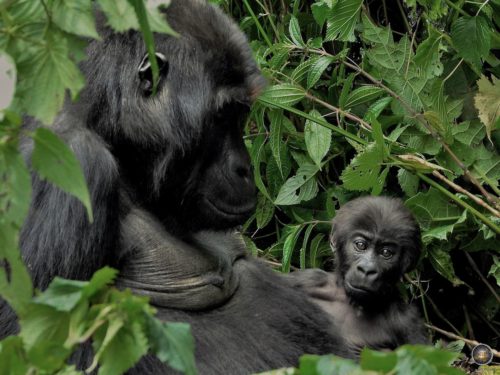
column 376, row 240
column 181, row 151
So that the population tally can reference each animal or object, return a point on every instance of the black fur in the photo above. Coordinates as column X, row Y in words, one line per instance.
column 170, row 179
column 361, row 296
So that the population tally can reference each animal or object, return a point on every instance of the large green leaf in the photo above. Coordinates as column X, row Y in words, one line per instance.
column 298, row 187
column 54, row 161
column 317, row 138
column 472, row 38
column 47, row 76
column 284, row 94
column 363, row 172
column 342, row 20
column 74, row 16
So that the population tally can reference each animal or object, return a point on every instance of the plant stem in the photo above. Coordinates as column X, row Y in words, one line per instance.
column 257, row 23
column 460, row 202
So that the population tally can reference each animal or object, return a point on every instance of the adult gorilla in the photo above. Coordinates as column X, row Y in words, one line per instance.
column 170, row 179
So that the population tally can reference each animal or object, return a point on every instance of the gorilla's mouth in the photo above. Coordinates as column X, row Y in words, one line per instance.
column 358, row 289
column 231, row 212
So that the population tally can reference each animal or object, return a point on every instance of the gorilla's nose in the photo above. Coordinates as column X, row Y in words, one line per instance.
column 367, row 271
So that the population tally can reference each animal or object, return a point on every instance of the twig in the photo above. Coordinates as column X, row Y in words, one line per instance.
column 420, row 117
column 337, row 110
column 483, row 279
column 457, row 337
column 460, row 189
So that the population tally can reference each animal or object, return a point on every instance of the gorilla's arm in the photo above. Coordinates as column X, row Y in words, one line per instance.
column 57, row 238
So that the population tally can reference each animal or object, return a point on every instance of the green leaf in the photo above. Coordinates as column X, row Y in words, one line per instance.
column 8, row 80
column 487, row 102
column 495, row 269
column 317, row 69
column 378, row 361
column 44, row 331
column 15, row 189
column 317, row 138
column 288, row 192
column 289, row 246
column 74, row 16
column 295, row 34
column 13, row 357
column 54, row 161
column 62, row 294
column 284, row 94
column 173, row 344
column 264, row 212
column 471, row 37
column 408, row 182
column 44, row 84
column 126, row 342
column 427, row 56
column 363, row 171
column 120, row 14
column 362, row 95
column 342, row 20
column 275, row 141
column 320, row 13
column 442, row 263
column 432, row 209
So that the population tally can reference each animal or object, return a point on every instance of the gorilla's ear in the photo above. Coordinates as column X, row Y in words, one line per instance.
column 146, row 73
column 412, row 250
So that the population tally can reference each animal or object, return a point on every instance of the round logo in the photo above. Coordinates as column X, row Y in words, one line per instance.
column 482, row 354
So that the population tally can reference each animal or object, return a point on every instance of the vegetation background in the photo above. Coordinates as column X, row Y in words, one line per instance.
column 396, row 97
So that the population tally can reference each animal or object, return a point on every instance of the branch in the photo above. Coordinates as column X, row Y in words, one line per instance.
column 457, row 337
column 423, row 121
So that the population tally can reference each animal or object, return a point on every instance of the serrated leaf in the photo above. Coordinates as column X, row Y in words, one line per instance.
column 288, row 193
column 320, row 13
column 432, row 209
column 342, row 20
column 495, row 269
column 442, row 263
column 127, row 342
column 48, row 79
column 12, row 356
column 471, row 37
column 317, row 138
column 487, row 102
column 173, row 344
column 295, row 33
column 284, row 94
column 120, row 14
column 363, row 171
column 54, row 161
column 74, row 16
column 427, row 54
column 317, row 69
column 362, row 95
column 408, row 182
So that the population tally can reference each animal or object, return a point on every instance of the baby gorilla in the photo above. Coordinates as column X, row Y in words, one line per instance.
column 375, row 240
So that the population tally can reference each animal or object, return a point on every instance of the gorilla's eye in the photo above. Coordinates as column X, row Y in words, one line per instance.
column 361, row 245
column 146, row 73
column 387, row 253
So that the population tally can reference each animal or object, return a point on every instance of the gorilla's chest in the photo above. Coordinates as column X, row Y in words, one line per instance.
column 266, row 324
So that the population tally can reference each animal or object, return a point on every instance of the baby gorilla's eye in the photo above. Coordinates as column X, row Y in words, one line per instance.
column 386, row 253
column 361, row 245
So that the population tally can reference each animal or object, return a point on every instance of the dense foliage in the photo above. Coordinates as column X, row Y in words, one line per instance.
column 354, row 106
column 398, row 98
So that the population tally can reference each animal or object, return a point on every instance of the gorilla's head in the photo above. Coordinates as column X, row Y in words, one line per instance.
column 376, row 240
column 180, row 151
